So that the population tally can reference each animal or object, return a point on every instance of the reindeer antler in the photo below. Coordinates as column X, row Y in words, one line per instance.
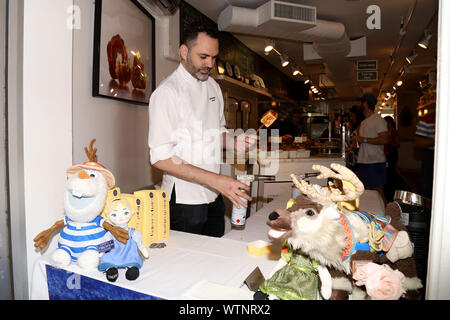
column 343, row 173
column 91, row 152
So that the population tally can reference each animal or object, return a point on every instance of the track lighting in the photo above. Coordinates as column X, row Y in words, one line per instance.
column 399, row 83
column 270, row 44
column 284, row 60
column 425, row 41
column 405, row 69
column 307, row 81
column 411, row 58
column 296, row 71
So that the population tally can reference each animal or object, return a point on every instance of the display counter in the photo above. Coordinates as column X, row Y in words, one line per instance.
column 285, row 167
column 281, row 169
column 256, row 227
column 189, row 267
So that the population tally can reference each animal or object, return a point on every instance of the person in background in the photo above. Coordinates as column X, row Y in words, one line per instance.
column 186, row 134
column 291, row 125
column 424, row 139
column 356, row 116
column 372, row 136
column 391, row 152
column 335, row 129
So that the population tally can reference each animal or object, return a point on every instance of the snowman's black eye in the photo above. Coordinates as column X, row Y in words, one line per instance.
column 310, row 213
column 92, row 175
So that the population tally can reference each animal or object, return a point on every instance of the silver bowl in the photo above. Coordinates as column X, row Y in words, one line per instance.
column 409, row 198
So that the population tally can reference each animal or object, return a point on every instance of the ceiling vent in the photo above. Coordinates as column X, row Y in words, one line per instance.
column 294, row 12
column 276, row 19
column 162, row 7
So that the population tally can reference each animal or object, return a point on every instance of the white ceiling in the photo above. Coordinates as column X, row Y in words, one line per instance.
column 380, row 43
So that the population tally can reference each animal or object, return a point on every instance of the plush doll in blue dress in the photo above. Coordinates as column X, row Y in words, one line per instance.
column 129, row 255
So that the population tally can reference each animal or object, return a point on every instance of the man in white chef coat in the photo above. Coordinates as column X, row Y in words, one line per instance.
column 186, row 135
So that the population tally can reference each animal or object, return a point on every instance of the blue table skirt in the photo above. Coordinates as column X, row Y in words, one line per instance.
column 63, row 285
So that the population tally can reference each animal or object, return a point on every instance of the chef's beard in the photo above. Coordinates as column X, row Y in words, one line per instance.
column 195, row 72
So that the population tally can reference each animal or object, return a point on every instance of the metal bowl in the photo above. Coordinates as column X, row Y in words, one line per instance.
column 409, row 198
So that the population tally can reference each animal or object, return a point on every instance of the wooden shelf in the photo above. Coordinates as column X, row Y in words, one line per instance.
column 221, row 78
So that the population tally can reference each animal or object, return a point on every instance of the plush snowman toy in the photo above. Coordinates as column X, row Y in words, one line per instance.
column 84, row 200
column 83, row 229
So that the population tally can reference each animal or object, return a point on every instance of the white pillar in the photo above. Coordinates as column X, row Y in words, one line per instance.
column 40, row 120
column 438, row 279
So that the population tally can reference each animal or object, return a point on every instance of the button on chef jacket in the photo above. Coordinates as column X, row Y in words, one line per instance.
column 186, row 119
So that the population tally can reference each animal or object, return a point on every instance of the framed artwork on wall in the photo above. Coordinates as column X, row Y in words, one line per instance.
column 124, row 51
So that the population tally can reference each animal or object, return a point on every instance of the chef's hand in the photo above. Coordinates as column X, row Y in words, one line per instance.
column 232, row 189
column 245, row 142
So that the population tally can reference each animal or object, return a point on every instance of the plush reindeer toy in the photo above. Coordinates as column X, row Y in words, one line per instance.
column 333, row 246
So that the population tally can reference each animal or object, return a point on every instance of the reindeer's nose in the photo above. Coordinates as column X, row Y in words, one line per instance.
column 273, row 216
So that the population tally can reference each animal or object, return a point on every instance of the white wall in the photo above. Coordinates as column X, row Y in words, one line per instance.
column 120, row 128
column 40, row 124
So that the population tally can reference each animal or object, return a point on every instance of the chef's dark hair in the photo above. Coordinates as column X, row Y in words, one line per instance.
column 192, row 32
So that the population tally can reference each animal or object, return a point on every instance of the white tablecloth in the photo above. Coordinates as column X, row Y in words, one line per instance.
column 171, row 271
column 188, row 260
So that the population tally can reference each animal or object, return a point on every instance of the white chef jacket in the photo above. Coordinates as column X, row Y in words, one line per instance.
column 186, row 119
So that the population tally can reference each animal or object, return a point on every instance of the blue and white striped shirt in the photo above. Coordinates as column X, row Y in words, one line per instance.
column 427, row 126
column 77, row 237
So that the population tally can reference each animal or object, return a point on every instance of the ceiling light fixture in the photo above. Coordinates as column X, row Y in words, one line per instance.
column 284, row 60
column 307, row 81
column 296, row 71
column 425, row 41
column 405, row 68
column 399, row 83
column 270, row 44
column 411, row 58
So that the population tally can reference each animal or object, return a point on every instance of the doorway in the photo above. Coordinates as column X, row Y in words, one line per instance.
column 5, row 251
